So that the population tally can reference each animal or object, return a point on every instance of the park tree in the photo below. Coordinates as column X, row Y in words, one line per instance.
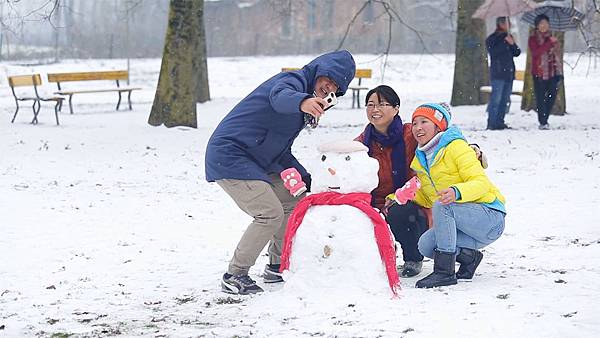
column 183, row 78
column 470, row 65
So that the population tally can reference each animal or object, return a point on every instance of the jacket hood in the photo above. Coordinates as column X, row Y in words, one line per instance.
column 451, row 134
column 338, row 66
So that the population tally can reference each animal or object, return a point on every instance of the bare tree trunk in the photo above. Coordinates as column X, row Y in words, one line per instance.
column 470, row 65
column 200, row 63
column 57, row 27
column 178, row 82
column 528, row 101
column 127, row 43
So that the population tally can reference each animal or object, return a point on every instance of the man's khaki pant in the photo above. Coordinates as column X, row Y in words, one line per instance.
column 270, row 205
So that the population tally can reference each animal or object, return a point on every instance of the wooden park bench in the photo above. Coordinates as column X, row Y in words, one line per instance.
column 115, row 75
column 33, row 80
column 360, row 74
column 519, row 76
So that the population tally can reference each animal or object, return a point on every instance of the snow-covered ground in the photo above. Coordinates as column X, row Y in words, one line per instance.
column 107, row 226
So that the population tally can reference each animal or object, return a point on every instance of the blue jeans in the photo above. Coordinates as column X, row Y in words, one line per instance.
column 461, row 225
column 499, row 103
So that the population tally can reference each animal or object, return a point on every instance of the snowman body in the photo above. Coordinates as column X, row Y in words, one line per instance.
column 334, row 249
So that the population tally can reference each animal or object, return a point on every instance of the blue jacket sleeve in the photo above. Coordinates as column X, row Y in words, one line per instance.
column 288, row 160
column 287, row 94
column 516, row 51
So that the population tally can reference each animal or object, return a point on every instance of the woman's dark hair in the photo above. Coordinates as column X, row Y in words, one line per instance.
column 386, row 92
column 539, row 18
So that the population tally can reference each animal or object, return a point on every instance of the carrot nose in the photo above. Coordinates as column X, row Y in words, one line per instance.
column 331, row 171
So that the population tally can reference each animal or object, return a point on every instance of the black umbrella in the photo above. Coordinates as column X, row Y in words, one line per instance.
column 562, row 15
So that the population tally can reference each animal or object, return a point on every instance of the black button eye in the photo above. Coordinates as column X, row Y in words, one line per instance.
column 348, row 158
column 323, row 158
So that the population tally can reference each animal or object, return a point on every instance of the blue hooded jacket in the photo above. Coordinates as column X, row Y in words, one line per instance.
column 256, row 137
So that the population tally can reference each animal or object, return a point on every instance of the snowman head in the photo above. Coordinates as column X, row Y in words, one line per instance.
column 345, row 167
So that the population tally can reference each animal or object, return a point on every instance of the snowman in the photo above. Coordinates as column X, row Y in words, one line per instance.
column 335, row 241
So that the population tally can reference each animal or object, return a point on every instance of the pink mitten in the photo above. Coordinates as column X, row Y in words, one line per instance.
column 292, row 180
column 408, row 191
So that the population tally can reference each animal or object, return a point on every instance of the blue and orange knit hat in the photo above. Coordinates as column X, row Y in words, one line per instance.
column 438, row 113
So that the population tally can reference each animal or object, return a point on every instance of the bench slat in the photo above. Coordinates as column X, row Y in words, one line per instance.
column 488, row 90
column 120, row 89
column 363, row 73
column 24, row 80
column 360, row 73
column 520, row 75
column 88, row 76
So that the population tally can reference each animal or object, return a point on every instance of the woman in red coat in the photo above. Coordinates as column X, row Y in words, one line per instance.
column 546, row 68
column 391, row 143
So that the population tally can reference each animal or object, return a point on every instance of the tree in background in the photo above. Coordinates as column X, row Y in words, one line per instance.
column 470, row 64
column 183, row 78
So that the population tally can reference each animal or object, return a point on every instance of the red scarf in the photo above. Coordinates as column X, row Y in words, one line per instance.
column 358, row 200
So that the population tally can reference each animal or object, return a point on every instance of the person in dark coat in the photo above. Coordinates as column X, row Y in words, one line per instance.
column 252, row 145
column 502, row 49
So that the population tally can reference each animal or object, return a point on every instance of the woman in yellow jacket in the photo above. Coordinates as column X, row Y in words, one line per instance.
column 468, row 210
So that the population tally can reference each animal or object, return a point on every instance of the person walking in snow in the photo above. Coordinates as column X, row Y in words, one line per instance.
column 252, row 145
column 546, row 68
column 502, row 49
column 468, row 210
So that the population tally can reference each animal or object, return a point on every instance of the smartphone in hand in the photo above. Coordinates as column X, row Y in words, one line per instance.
column 331, row 100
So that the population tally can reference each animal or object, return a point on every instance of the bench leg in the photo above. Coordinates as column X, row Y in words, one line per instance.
column 353, row 96
column 16, row 111
column 119, row 102
column 71, row 103
column 358, row 99
column 36, row 111
column 58, row 103
column 129, row 99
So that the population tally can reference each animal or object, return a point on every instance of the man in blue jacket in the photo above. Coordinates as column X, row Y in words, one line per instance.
column 253, row 144
column 502, row 48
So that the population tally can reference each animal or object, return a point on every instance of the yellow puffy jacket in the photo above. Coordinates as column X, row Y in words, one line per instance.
column 454, row 165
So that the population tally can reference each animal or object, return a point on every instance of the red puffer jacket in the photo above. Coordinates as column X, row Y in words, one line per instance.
column 384, row 156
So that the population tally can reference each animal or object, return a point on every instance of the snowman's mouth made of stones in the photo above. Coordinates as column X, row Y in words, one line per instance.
column 334, row 188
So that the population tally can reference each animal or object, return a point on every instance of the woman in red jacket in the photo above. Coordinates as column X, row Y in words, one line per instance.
column 391, row 143
column 546, row 68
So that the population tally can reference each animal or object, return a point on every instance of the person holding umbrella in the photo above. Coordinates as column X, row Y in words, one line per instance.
column 502, row 49
column 546, row 68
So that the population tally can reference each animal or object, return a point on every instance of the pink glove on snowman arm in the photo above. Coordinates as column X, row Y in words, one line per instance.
column 408, row 190
column 292, row 181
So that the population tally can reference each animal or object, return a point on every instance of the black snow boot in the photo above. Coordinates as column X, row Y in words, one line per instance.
column 469, row 260
column 443, row 271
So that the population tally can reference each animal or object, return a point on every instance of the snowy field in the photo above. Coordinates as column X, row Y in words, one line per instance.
column 107, row 226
